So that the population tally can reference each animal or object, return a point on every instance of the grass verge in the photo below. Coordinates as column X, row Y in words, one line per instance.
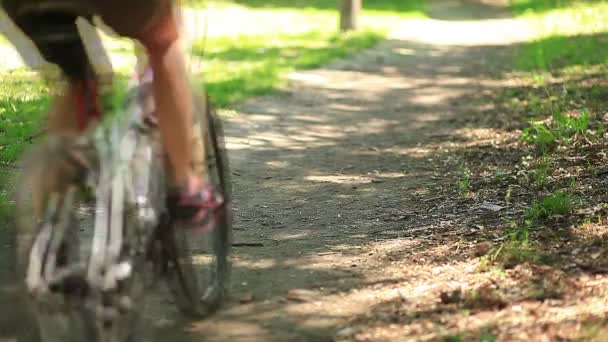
column 240, row 67
column 560, row 203
column 410, row 8
column 23, row 100
column 568, row 33
column 560, row 102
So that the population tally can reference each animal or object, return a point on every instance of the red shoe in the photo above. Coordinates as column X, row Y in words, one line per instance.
column 198, row 208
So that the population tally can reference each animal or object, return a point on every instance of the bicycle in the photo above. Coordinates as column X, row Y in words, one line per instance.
column 104, row 237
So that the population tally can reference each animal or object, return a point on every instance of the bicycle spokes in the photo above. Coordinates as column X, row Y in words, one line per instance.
column 44, row 271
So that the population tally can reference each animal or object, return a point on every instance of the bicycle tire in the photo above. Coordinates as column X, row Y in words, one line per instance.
column 44, row 324
column 77, row 321
column 198, row 293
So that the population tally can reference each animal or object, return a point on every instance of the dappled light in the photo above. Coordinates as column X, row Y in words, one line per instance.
column 438, row 175
column 340, row 179
column 468, row 33
column 408, row 8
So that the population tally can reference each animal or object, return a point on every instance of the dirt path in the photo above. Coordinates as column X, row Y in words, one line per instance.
column 348, row 180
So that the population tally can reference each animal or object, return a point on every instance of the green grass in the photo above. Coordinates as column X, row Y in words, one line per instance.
column 540, row 135
column 464, row 183
column 564, row 69
column 560, row 203
column 568, row 33
column 23, row 100
column 532, row 7
column 404, row 8
column 541, row 172
column 7, row 207
column 487, row 336
column 561, row 128
column 236, row 68
column 517, row 249
column 520, row 237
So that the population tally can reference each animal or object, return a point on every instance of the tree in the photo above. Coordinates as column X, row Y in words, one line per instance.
column 349, row 14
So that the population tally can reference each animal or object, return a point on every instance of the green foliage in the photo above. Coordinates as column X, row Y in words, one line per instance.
column 520, row 237
column 516, row 250
column 511, row 253
column 568, row 33
column 570, row 41
column 564, row 51
column 540, row 135
column 570, row 125
column 561, row 128
column 464, row 183
column 483, row 337
column 410, row 8
column 7, row 207
column 487, row 336
column 537, row 6
column 240, row 67
column 566, row 127
column 500, row 175
column 23, row 101
column 558, row 204
column 540, row 174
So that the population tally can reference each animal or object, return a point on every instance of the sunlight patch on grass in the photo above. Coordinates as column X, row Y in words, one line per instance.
column 409, row 9
column 236, row 68
column 572, row 18
column 23, row 100
column 567, row 33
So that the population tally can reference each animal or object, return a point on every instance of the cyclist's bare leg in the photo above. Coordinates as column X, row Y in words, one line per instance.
column 59, row 170
column 174, row 99
column 175, row 108
column 61, row 118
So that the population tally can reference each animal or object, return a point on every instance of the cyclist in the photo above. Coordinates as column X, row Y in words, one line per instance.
column 51, row 25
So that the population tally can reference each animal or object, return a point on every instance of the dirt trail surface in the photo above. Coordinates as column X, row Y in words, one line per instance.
column 349, row 222
column 348, row 180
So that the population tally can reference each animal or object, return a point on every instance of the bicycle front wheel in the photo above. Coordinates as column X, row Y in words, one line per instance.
column 199, row 263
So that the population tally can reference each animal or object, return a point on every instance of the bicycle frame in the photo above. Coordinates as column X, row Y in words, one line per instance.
column 128, row 150
column 134, row 240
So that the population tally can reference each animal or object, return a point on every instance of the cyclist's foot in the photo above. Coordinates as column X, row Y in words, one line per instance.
column 197, row 206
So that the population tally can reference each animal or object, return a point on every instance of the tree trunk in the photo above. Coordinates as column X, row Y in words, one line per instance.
column 349, row 14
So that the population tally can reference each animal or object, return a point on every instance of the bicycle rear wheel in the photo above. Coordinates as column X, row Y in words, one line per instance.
column 199, row 265
column 51, row 209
